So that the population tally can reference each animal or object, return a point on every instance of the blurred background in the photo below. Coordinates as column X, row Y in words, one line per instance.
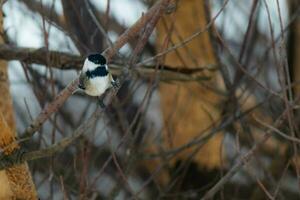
column 215, row 87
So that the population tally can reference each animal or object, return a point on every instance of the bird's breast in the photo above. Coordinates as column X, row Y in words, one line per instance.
column 97, row 86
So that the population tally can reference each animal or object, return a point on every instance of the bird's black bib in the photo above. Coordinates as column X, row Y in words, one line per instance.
column 98, row 72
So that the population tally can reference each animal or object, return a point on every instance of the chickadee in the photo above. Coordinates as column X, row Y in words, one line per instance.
column 95, row 78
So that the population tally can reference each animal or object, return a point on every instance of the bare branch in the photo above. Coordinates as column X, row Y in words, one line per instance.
column 50, row 15
column 65, row 61
column 19, row 157
column 56, row 59
column 109, row 53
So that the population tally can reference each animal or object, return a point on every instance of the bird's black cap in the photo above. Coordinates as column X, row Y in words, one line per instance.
column 97, row 58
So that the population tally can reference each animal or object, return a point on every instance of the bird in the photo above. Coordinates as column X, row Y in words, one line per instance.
column 95, row 78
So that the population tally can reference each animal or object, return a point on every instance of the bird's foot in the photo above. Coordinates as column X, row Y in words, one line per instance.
column 116, row 85
column 101, row 102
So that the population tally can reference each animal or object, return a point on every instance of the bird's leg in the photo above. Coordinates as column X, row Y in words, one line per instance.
column 101, row 101
column 116, row 84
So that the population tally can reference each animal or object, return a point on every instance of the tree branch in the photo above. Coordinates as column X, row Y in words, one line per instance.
column 19, row 156
column 56, row 59
column 67, row 61
column 109, row 53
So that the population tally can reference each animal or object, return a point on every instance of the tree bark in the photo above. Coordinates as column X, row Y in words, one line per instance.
column 189, row 109
column 15, row 182
column 294, row 48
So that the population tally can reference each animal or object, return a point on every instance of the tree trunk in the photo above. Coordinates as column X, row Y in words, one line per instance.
column 294, row 48
column 189, row 109
column 15, row 182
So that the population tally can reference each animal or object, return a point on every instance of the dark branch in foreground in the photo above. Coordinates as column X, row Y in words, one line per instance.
column 109, row 53
column 19, row 157
column 66, row 61
column 55, row 59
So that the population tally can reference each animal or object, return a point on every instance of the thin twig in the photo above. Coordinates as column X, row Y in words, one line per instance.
column 68, row 91
column 275, row 130
column 19, row 157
